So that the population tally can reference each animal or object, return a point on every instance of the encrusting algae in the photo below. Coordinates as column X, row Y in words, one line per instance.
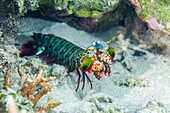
column 27, row 87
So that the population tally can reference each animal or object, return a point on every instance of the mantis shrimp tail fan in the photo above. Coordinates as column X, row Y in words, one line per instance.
column 31, row 48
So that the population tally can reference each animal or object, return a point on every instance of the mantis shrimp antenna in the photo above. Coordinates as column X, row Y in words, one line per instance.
column 116, row 35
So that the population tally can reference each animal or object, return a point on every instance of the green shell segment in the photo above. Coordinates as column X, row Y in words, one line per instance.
column 86, row 63
column 111, row 52
column 59, row 49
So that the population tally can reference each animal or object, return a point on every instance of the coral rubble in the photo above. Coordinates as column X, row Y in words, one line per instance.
column 154, row 107
column 104, row 103
column 27, row 88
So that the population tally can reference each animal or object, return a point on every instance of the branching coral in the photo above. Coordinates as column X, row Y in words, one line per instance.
column 0, row 79
column 27, row 87
column 49, row 105
column 7, row 80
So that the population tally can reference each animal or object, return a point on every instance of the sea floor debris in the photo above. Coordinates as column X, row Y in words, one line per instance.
column 27, row 86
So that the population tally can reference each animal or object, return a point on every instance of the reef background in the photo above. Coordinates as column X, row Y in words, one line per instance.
column 139, row 82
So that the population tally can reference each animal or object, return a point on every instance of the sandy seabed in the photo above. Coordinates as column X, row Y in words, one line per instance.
column 138, row 83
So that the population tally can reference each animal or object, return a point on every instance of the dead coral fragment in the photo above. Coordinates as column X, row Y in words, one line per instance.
column 45, row 88
column 0, row 79
column 23, row 76
column 27, row 87
column 49, row 105
column 8, row 80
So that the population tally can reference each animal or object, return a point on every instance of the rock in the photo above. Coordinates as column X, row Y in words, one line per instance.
column 104, row 103
column 142, row 22
column 153, row 107
column 149, row 29
column 58, row 71
column 90, row 15
column 94, row 16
